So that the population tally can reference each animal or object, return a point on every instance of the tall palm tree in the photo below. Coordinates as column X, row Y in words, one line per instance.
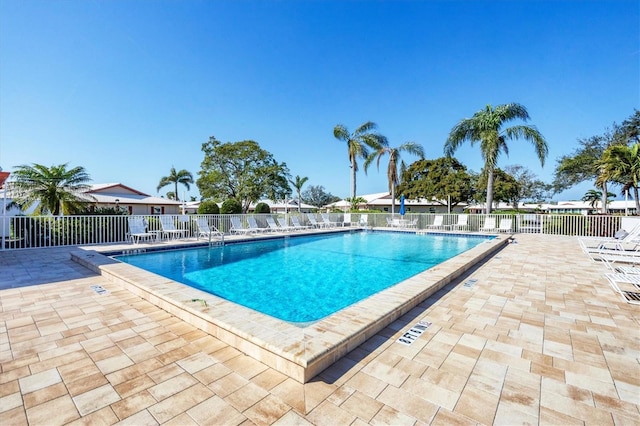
column 621, row 163
column 486, row 127
column 358, row 144
column 54, row 189
column 298, row 183
column 183, row 176
column 394, row 157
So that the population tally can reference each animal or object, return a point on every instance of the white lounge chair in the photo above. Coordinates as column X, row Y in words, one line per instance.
column 505, row 225
column 627, row 286
column 364, row 220
column 169, row 228
column 237, row 228
column 314, row 222
column 273, row 226
column 489, row 224
column 253, row 224
column 463, row 222
column 437, row 222
column 327, row 221
column 138, row 230
column 284, row 225
column 296, row 223
column 630, row 240
column 346, row 220
column 205, row 230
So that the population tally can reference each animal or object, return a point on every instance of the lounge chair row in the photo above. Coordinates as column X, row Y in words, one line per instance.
column 138, row 229
column 621, row 255
column 490, row 224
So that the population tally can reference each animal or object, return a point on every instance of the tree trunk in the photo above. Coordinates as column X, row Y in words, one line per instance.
column 635, row 195
column 393, row 199
column 175, row 188
column 353, row 181
column 299, row 201
column 604, row 198
column 489, row 189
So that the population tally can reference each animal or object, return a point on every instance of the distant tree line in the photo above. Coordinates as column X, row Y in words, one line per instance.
column 238, row 174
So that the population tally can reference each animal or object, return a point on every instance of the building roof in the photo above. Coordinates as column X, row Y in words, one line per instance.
column 108, row 193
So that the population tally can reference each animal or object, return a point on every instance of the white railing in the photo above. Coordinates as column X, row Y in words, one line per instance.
column 49, row 231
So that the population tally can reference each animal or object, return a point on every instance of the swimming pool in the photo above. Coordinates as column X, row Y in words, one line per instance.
column 306, row 278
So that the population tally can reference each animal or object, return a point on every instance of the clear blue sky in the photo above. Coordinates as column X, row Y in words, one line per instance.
column 129, row 88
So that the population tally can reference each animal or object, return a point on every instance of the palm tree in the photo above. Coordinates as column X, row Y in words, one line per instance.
column 392, row 168
column 593, row 197
column 485, row 127
column 298, row 183
column 358, row 144
column 54, row 189
column 621, row 163
column 184, row 177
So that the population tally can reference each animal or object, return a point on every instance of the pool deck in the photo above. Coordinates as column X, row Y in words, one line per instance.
column 539, row 337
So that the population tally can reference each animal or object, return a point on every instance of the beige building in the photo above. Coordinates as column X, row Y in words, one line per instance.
column 132, row 200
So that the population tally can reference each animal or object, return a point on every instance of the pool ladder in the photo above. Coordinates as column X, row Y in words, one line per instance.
column 216, row 243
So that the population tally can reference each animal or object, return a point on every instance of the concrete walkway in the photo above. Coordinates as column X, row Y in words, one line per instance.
column 538, row 338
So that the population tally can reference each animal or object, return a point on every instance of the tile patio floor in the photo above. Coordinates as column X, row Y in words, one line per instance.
column 540, row 338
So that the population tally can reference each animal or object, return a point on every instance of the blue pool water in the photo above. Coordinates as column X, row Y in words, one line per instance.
column 302, row 279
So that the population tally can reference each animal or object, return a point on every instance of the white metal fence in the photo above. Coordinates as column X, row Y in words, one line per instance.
column 47, row 231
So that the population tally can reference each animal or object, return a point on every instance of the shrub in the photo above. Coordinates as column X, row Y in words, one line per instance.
column 231, row 206
column 208, row 207
column 262, row 208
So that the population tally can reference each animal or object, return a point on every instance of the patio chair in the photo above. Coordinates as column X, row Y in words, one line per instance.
column 273, row 226
column 364, row 220
column 314, row 222
column 169, row 228
column 237, row 228
column 284, row 225
column 505, row 225
column 138, row 230
column 254, row 225
column 327, row 221
column 624, row 241
column 206, row 230
column 489, row 224
column 463, row 222
column 437, row 222
column 296, row 223
column 627, row 286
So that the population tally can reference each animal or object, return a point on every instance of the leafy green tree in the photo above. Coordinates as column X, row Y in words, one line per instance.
column 587, row 161
column 486, row 127
column 442, row 180
column 317, row 196
column 241, row 170
column 505, row 187
column 54, row 189
column 298, row 183
column 358, row 144
column 529, row 186
column 630, row 128
column 394, row 157
column 621, row 164
column 208, row 207
column 262, row 208
column 175, row 177
column 231, row 206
